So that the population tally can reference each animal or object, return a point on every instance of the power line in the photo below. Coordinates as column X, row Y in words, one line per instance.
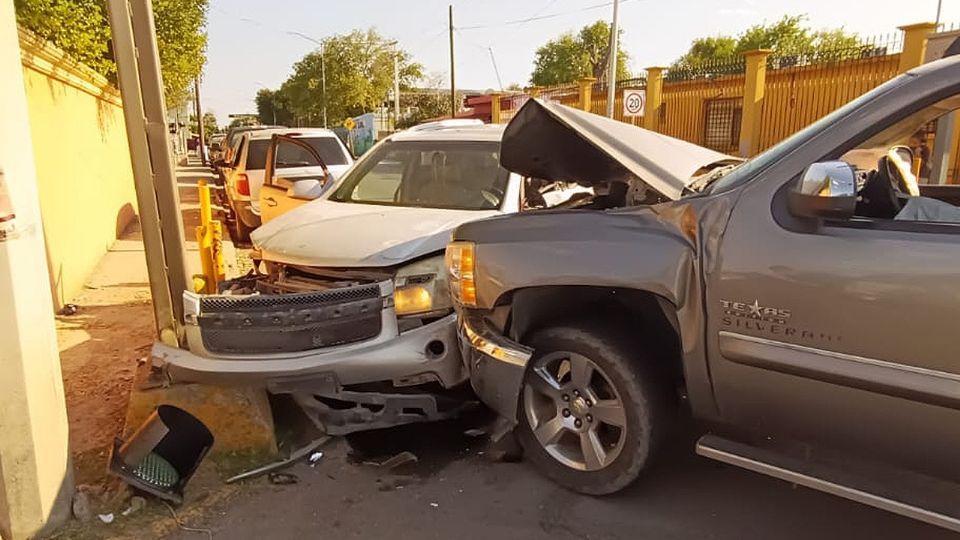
column 538, row 17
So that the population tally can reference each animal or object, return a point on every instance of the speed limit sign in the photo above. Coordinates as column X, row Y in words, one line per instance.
column 633, row 101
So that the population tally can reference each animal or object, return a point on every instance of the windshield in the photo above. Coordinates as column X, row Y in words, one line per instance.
column 747, row 170
column 454, row 175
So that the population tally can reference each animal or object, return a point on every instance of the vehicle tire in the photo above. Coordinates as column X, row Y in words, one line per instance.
column 590, row 409
column 239, row 231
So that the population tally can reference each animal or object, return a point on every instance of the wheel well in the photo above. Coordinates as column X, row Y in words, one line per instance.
column 639, row 317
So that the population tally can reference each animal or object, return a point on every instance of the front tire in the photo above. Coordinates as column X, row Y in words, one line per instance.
column 590, row 409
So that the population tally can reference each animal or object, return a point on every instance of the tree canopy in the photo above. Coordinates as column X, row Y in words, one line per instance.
column 571, row 56
column 81, row 29
column 786, row 36
column 358, row 68
column 209, row 123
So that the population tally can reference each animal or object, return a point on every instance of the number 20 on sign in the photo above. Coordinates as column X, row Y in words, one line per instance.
column 633, row 102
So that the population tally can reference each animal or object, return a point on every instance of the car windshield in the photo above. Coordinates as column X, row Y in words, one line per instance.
column 454, row 175
column 291, row 155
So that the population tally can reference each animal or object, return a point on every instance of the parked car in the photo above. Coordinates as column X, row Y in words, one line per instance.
column 802, row 307
column 245, row 175
column 350, row 311
column 216, row 146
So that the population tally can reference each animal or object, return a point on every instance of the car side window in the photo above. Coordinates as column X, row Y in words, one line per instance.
column 905, row 170
column 239, row 152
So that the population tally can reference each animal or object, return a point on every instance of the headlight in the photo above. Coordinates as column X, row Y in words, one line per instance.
column 460, row 262
column 421, row 287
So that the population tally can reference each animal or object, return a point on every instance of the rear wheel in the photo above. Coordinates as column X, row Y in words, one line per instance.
column 589, row 410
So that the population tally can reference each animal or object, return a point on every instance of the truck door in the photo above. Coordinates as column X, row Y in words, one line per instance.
column 843, row 331
column 282, row 193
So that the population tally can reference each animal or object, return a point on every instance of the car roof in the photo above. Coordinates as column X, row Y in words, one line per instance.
column 297, row 132
column 483, row 132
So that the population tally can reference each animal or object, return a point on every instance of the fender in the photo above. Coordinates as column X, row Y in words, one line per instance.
column 650, row 249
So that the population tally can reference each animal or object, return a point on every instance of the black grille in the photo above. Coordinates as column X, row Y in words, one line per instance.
column 290, row 322
column 268, row 302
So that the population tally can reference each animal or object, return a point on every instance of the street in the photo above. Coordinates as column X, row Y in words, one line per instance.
column 455, row 492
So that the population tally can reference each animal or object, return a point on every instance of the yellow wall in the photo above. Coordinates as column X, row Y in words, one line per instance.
column 83, row 163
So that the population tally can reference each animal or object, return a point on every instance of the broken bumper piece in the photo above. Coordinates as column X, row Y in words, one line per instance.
column 350, row 332
column 496, row 364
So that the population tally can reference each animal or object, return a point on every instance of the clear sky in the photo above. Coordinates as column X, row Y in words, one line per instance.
column 249, row 46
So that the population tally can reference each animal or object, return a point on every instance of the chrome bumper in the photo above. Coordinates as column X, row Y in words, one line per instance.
column 496, row 364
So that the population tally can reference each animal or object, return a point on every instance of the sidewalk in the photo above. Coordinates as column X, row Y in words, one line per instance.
column 113, row 330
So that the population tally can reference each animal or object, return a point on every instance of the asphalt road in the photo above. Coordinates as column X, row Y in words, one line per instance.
column 455, row 492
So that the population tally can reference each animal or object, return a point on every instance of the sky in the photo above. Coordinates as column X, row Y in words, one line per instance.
column 250, row 46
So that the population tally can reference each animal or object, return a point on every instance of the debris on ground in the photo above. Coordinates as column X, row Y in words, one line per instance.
column 400, row 459
column 68, row 310
column 315, row 458
column 295, row 456
column 106, row 518
column 137, row 503
column 81, row 506
column 435, row 505
column 391, row 483
column 283, row 479
column 475, row 432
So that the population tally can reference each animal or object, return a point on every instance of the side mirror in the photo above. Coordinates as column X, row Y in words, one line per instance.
column 306, row 189
column 826, row 190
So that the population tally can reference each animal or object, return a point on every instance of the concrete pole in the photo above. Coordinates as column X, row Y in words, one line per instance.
column 396, row 86
column 323, row 79
column 612, row 77
column 162, row 233
column 453, row 76
column 36, row 480
column 200, row 130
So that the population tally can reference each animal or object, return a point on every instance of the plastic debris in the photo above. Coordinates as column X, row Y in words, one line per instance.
column 315, row 458
column 400, row 459
column 295, row 456
column 282, row 479
column 476, row 432
column 106, row 518
column 435, row 505
column 136, row 504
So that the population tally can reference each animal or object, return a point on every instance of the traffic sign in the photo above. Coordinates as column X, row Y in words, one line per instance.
column 349, row 123
column 633, row 102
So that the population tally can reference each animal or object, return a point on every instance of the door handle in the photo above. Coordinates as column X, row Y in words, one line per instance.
column 270, row 201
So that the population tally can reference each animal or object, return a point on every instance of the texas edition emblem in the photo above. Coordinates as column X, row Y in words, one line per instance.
column 767, row 320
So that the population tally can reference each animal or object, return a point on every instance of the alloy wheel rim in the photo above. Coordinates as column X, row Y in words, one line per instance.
column 574, row 411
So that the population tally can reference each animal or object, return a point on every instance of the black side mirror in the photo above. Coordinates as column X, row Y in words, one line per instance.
column 826, row 190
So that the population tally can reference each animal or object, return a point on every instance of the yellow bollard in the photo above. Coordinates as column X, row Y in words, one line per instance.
column 209, row 241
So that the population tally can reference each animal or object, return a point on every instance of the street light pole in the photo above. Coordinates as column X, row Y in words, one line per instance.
column 323, row 78
column 200, row 130
column 612, row 77
column 453, row 78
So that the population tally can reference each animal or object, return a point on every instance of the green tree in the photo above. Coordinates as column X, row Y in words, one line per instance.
column 788, row 36
column 273, row 108
column 80, row 28
column 209, row 123
column 572, row 56
column 359, row 77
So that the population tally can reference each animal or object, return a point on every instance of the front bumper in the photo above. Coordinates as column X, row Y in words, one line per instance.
column 428, row 353
column 496, row 364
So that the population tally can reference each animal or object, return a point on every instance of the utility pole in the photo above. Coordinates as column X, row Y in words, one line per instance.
column 939, row 6
column 396, row 86
column 323, row 79
column 453, row 78
column 200, row 130
column 612, row 77
column 158, row 199
column 36, row 482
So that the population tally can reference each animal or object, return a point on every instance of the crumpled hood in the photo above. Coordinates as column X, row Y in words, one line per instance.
column 556, row 142
column 334, row 234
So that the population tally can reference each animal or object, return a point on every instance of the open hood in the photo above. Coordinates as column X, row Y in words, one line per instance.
column 555, row 142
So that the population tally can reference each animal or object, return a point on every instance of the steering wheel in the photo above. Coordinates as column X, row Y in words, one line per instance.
column 899, row 164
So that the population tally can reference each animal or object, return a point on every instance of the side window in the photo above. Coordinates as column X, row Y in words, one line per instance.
column 904, row 172
column 239, row 152
column 290, row 155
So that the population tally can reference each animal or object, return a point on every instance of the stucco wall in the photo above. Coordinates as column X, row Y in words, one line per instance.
column 84, row 175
